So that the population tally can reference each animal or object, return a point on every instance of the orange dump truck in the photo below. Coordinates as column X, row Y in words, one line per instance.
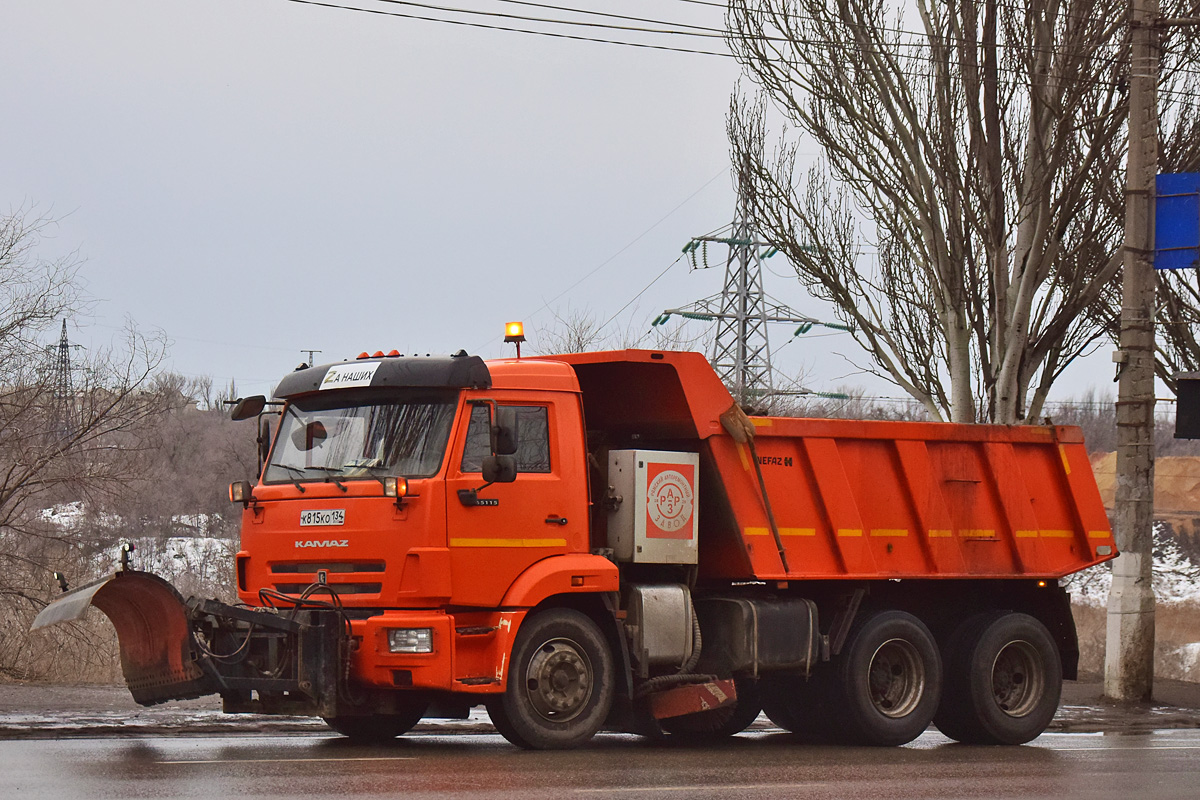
column 605, row 540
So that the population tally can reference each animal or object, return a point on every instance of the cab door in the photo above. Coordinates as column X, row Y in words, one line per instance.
column 512, row 525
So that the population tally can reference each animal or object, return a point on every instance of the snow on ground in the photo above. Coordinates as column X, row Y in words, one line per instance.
column 1176, row 577
column 184, row 552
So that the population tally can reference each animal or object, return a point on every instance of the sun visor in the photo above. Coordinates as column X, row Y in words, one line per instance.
column 459, row 371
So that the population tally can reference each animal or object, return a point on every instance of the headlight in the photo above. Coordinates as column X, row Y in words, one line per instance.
column 410, row 640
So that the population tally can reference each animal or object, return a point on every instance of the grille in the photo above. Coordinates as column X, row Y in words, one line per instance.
column 338, row 588
column 304, row 567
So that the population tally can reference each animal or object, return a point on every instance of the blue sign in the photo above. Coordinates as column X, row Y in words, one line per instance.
column 1177, row 221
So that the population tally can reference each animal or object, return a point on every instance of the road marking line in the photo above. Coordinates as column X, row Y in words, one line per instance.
column 1105, row 749
column 285, row 760
column 702, row 787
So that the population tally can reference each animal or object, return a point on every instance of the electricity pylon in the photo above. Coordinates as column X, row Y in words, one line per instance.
column 741, row 351
column 62, row 388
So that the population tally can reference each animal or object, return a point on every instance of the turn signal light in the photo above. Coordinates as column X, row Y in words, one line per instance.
column 240, row 492
column 395, row 487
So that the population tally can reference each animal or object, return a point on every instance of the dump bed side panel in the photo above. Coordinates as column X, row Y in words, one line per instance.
column 853, row 498
column 858, row 499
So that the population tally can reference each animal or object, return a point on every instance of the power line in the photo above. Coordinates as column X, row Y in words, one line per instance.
column 645, row 289
column 611, row 258
column 697, row 31
column 485, row 26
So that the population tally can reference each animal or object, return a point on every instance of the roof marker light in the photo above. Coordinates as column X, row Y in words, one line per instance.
column 364, row 354
column 514, row 332
column 394, row 354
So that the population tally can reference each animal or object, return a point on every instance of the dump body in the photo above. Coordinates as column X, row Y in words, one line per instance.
column 856, row 499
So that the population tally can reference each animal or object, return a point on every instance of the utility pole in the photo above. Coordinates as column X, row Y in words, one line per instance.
column 1129, row 650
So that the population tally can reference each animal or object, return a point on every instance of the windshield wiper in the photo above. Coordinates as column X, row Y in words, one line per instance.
column 329, row 475
column 295, row 482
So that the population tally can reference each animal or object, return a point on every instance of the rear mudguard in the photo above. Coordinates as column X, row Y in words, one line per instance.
column 160, row 657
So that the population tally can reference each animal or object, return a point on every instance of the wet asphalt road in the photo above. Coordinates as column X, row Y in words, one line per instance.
column 757, row 765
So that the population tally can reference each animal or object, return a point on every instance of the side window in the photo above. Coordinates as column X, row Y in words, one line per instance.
column 533, row 445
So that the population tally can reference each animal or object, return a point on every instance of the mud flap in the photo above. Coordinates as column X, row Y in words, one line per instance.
column 159, row 654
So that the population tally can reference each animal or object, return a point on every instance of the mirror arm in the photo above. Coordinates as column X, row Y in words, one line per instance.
column 470, row 497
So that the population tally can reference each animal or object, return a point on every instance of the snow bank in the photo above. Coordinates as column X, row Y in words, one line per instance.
column 1176, row 577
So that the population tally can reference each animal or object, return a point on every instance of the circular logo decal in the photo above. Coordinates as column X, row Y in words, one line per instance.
column 670, row 501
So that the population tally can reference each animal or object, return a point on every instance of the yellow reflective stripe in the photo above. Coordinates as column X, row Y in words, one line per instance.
column 889, row 532
column 849, row 531
column 1058, row 534
column 1099, row 535
column 741, row 448
column 782, row 531
column 1026, row 534
column 977, row 534
column 937, row 533
column 761, row 422
column 508, row 542
column 1062, row 452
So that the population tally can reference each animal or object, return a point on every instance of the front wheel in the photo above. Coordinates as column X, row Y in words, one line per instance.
column 560, row 684
column 1004, row 680
column 377, row 727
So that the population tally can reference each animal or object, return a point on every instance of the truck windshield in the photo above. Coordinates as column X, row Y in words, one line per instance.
column 331, row 436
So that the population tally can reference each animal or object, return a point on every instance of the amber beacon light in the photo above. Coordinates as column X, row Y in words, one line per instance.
column 514, row 332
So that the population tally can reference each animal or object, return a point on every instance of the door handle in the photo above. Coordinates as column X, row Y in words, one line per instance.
column 555, row 519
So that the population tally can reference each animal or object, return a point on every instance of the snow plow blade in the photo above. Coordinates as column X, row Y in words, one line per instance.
column 159, row 653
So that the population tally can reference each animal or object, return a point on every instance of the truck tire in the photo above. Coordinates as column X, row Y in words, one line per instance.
column 803, row 706
column 888, row 680
column 377, row 727
column 560, row 683
column 1004, row 679
column 720, row 723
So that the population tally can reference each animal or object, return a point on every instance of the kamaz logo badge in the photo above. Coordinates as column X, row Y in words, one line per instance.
column 323, row 543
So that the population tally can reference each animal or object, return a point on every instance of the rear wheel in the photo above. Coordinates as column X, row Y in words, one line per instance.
column 888, row 680
column 560, row 684
column 377, row 727
column 1004, row 680
column 803, row 706
column 719, row 723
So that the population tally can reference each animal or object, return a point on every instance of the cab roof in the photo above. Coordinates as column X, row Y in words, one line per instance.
column 458, row 371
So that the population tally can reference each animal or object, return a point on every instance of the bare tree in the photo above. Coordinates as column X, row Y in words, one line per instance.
column 984, row 150
column 578, row 331
column 58, row 444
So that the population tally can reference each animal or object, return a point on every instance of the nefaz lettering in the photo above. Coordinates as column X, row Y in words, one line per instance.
column 775, row 461
column 323, row 543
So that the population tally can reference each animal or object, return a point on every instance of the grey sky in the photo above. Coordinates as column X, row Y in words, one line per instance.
column 255, row 177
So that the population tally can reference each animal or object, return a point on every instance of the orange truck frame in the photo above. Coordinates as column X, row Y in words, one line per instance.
column 605, row 540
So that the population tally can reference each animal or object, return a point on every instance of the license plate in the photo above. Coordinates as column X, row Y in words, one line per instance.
column 329, row 516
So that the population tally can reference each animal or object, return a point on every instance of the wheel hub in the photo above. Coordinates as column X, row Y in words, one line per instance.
column 896, row 678
column 1017, row 678
column 559, row 680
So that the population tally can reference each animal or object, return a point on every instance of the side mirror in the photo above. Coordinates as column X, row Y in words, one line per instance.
column 504, row 431
column 247, row 407
column 499, row 469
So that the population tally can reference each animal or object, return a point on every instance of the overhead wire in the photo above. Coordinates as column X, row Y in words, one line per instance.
column 705, row 32
column 527, row 31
